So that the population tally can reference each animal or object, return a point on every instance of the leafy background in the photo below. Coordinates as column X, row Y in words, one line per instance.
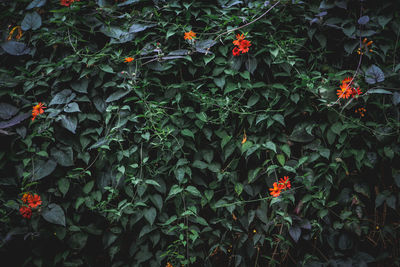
column 141, row 164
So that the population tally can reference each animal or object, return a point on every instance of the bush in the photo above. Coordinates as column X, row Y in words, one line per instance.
column 228, row 133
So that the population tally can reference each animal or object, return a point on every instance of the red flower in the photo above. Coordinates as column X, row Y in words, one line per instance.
column 189, row 35
column 238, row 39
column 285, row 181
column 34, row 201
column 36, row 110
column 276, row 190
column 25, row 197
column 355, row 91
column 346, row 90
column 25, row 211
column 244, row 46
column 129, row 59
column 67, row 2
column 235, row 51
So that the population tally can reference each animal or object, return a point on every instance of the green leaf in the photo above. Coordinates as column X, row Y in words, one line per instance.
column 7, row 111
column 193, row 191
column 202, row 116
column 187, row 132
column 337, row 127
column 253, row 174
column 31, row 21
column 117, row 95
column 80, row 86
column 175, row 189
column 199, row 164
column 220, row 82
column 36, row 3
column 63, row 97
column 53, row 213
column 63, row 185
column 279, row 118
column 238, row 188
column 69, row 122
column 295, row 233
column 63, row 155
column 374, row 75
column 15, row 48
column 150, row 215
column 43, row 169
column 72, row 107
column 271, row 146
column 88, row 187
column 140, row 27
column 106, row 68
column 253, row 99
column 157, row 201
column 281, row 159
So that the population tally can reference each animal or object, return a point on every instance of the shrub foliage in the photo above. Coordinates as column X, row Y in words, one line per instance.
column 148, row 133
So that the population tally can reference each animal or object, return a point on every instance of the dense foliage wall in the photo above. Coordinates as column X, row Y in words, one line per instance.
column 158, row 128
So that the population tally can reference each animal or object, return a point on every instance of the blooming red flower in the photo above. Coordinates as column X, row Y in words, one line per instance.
column 129, row 59
column 235, row 51
column 286, row 182
column 34, row 201
column 276, row 190
column 36, row 110
column 25, row 211
column 189, row 35
column 345, row 90
column 67, row 2
column 238, row 39
column 355, row 92
column 244, row 46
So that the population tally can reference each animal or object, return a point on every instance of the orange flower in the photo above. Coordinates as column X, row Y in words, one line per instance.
column 244, row 46
column 25, row 197
column 38, row 109
column 238, row 39
column 276, row 190
column 34, row 201
column 129, row 59
column 19, row 35
column 235, row 51
column 25, row 211
column 345, row 89
column 169, row 265
column 286, row 182
column 244, row 138
column 189, row 35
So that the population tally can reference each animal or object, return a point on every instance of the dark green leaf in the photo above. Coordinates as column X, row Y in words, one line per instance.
column 150, row 215
column 63, row 97
column 69, row 122
column 36, row 3
column 53, row 213
column 72, row 107
column 374, row 75
column 117, row 95
column 63, row 185
column 295, row 233
column 64, row 156
column 31, row 21
column 43, row 169
column 15, row 48
column 7, row 111
column 80, row 86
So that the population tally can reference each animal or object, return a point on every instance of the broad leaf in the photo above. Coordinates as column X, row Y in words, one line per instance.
column 31, row 21
column 53, row 213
